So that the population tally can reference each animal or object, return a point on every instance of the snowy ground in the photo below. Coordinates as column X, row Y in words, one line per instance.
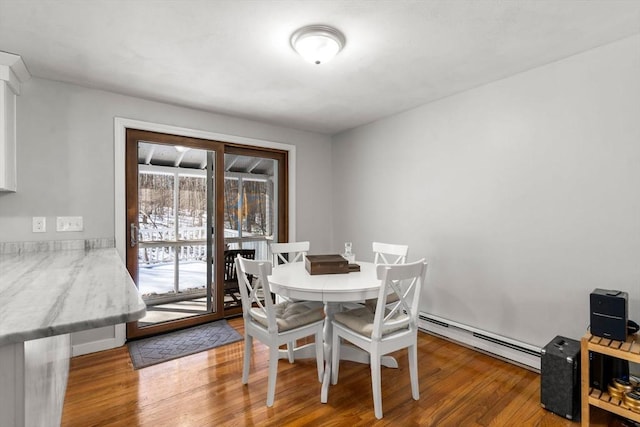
column 158, row 278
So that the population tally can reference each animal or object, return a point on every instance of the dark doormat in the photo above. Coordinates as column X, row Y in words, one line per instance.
column 161, row 348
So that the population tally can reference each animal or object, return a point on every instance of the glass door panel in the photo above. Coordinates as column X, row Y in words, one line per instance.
column 172, row 217
column 172, row 228
column 156, row 222
column 192, row 239
column 250, row 196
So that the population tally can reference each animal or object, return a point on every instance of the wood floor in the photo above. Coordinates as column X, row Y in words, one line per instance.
column 458, row 387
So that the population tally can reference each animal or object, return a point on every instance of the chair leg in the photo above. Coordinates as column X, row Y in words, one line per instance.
column 376, row 385
column 290, row 346
column 320, row 354
column 335, row 357
column 248, row 344
column 413, row 371
column 273, row 372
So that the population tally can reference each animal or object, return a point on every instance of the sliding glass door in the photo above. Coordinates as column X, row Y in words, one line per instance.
column 172, row 187
column 192, row 206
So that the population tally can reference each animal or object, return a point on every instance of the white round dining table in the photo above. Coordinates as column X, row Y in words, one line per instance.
column 294, row 281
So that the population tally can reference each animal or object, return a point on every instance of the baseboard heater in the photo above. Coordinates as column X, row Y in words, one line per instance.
column 502, row 347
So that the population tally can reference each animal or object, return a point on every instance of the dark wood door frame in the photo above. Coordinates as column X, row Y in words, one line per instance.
column 131, row 156
column 283, row 178
column 219, row 147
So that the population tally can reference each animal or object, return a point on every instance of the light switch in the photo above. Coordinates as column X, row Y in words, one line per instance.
column 69, row 223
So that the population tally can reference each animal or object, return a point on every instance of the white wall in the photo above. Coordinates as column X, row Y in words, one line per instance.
column 66, row 162
column 522, row 194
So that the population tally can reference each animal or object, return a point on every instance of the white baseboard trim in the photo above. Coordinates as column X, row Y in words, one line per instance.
column 118, row 340
column 496, row 345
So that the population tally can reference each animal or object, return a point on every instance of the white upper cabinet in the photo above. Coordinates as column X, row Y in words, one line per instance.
column 13, row 73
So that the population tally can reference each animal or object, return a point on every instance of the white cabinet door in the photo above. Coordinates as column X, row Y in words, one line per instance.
column 7, row 138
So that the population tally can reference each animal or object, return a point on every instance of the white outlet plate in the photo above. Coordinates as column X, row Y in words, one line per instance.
column 39, row 224
column 69, row 223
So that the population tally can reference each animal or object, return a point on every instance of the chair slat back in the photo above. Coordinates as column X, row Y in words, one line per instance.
column 405, row 281
column 387, row 253
column 255, row 290
column 230, row 256
column 285, row 253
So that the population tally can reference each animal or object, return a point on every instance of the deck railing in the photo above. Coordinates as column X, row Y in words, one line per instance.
column 161, row 246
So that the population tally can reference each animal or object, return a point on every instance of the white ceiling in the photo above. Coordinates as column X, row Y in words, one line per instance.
column 234, row 57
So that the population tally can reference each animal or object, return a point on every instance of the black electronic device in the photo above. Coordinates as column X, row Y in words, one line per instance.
column 603, row 369
column 560, row 377
column 599, row 376
column 609, row 310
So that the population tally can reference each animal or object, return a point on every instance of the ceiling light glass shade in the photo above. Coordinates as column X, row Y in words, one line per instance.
column 317, row 43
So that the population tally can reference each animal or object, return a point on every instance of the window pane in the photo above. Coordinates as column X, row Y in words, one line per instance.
column 257, row 218
column 231, row 208
column 155, row 201
column 192, row 211
column 156, row 272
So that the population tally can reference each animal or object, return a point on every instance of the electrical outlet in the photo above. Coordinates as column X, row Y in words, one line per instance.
column 39, row 224
column 69, row 223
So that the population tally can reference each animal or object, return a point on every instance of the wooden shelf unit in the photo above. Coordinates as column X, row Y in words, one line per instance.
column 627, row 350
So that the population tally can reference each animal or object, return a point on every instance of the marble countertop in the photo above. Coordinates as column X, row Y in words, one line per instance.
column 57, row 292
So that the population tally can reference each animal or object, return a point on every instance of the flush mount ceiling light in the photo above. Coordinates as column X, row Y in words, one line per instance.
column 317, row 43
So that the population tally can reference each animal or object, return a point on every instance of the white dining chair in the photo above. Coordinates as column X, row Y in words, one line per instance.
column 274, row 324
column 390, row 328
column 387, row 253
column 285, row 253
